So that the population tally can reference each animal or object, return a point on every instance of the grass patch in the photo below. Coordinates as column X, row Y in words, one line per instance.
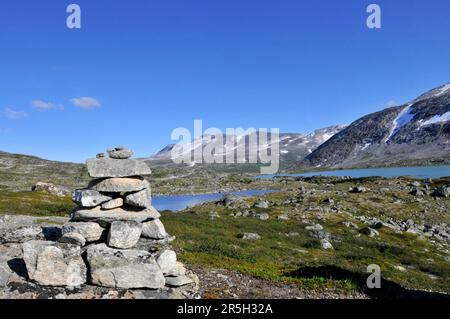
column 35, row 204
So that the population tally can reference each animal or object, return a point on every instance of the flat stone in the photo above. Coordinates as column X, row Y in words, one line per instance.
column 110, row 167
column 167, row 260
column 139, row 199
column 89, row 197
column 89, row 230
column 123, row 269
column 73, row 239
column 113, row 203
column 178, row 281
column 119, row 185
column 124, row 234
column 154, row 229
column 54, row 264
column 109, row 216
column 120, row 152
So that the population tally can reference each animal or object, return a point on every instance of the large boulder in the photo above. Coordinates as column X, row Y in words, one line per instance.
column 139, row 199
column 109, row 167
column 119, row 185
column 51, row 189
column 89, row 230
column 123, row 269
column 109, row 216
column 89, row 197
column 124, row 234
column 54, row 264
column 154, row 229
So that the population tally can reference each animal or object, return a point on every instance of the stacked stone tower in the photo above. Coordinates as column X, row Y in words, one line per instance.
column 114, row 238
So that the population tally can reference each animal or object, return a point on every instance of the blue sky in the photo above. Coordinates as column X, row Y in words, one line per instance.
column 150, row 66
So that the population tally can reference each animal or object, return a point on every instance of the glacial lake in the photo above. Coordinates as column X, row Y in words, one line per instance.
column 180, row 202
column 420, row 172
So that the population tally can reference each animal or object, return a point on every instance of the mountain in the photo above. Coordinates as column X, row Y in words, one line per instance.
column 20, row 172
column 417, row 132
column 294, row 147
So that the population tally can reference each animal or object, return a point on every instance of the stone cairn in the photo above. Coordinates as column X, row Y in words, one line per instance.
column 114, row 238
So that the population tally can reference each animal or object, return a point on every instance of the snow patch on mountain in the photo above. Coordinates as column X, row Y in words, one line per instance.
column 437, row 119
column 403, row 118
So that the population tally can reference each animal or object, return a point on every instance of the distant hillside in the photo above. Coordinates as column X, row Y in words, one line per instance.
column 21, row 172
column 417, row 132
column 294, row 147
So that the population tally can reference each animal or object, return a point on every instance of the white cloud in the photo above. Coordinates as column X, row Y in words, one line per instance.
column 86, row 103
column 43, row 105
column 14, row 115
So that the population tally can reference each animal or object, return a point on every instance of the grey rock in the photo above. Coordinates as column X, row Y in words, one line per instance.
column 89, row 230
column 101, row 155
column 261, row 204
column 119, row 185
column 109, row 167
column 125, row 269
column 349, row 224
column 441, row 192
column 358, row 189
column 51, row 189
column 326, row 244
column 53, row 264
column 314, row 227
column 120, row 152
column 260, row 216
column 250, row 236
column 369, row 232
column 109, row 216
column 283, row 217
column 22, row 234
column 178, row 281
column 113, row 203
column 73, row 239
column 167, row 260
column 176, row 271
column 89, row 197
column 320, row 234
column 417, row 192
column 154, row 229
column 124, row 234
column 139, row 199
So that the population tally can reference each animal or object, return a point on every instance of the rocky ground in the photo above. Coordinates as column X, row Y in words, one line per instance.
column 312, row 239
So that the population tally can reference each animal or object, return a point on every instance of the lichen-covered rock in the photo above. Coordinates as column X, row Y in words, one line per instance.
column 109, row 167
column 113, row 203
column 124, row 234
column 73, row 239
column 124, row 269
column 109, row 216
column 21, row 234
column 167, row 260
column 89, row 197
column 53, row 264
column 154, row 229
column 89, row 230
column 139, row 199
column 119, row 185
column 51, row 189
